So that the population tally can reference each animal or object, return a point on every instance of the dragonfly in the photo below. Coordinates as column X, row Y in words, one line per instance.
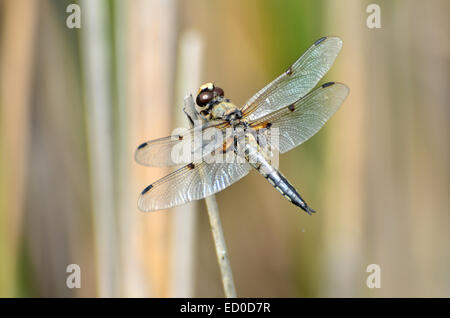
column 289, row 104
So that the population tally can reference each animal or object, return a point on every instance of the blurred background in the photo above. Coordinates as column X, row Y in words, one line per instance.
column 76, row 102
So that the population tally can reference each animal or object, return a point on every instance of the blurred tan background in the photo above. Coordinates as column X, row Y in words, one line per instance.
column 75, row 103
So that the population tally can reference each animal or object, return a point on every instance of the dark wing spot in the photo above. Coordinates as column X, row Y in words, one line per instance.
column 289, row 71
column 327, row 84
column 320, row 40
column 291, row 107
column 268, row 125
column 191, row 166
column 180, row 137
column 146, row 189
column 142, row 145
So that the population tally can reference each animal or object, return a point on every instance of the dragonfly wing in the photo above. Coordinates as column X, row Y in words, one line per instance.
column 301, row 120
column 177, row 149
column 191, row 182
column 158, row 152
column 296, row 81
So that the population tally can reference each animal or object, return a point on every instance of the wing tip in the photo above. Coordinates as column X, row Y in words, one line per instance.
column 344, row 86
column 320, row 40
column 338, row 40
column 142, row 145
column 337, row 84
column 140, row 203
column 139, row 206
column 328, row 84
column 136, row 153
column 335, row 38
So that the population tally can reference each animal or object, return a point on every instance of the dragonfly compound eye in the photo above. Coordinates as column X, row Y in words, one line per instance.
column 204, row 98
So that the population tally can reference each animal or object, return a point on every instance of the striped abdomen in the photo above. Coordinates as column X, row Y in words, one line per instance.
column 280, row 183
column 256, row 158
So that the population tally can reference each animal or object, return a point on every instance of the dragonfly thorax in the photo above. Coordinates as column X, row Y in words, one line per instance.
column 226, row 111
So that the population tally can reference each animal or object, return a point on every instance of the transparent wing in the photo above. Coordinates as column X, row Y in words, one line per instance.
column 158, row 152
column 177, row 149
column 191, row 182
column 297, row 81
column 301, row 120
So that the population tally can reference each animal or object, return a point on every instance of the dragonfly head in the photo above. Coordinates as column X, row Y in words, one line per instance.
column 208, row 93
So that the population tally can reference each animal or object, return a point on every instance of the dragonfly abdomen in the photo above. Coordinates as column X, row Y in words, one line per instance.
column 257, row 160
column 255, row 155
column 279, row 182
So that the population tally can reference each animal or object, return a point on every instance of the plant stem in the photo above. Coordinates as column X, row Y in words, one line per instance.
column 213, row 214
column 221, row 248
column 96, row 62
column 185, row 217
